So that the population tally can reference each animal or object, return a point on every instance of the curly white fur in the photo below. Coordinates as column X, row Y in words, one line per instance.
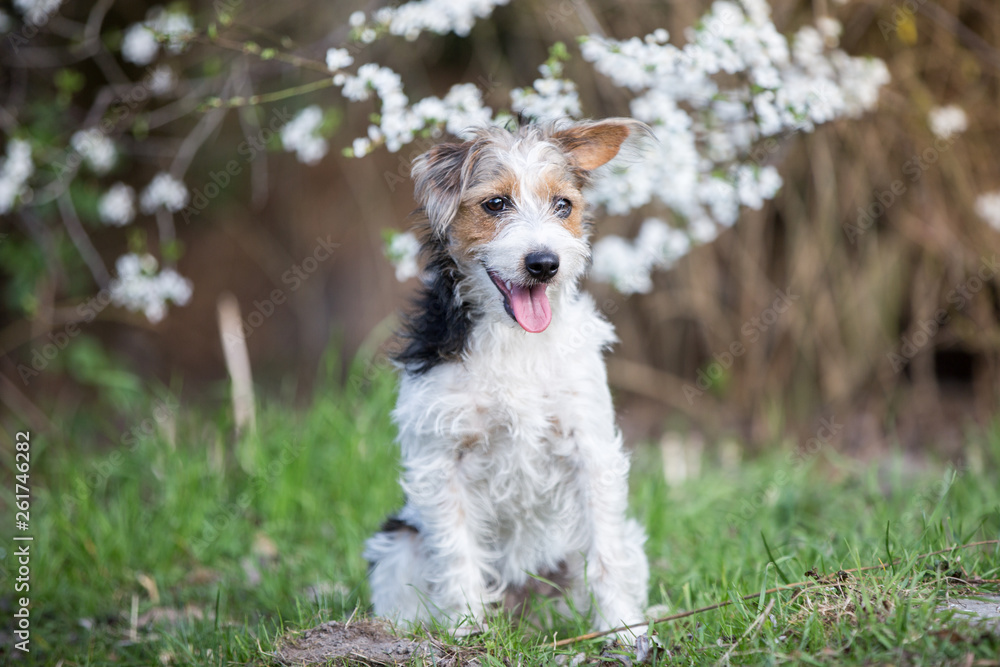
column 512, row 463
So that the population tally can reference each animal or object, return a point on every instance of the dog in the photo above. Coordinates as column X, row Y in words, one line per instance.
column 514, row 470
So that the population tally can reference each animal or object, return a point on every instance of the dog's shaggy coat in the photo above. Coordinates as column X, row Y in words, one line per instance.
column 512, row 464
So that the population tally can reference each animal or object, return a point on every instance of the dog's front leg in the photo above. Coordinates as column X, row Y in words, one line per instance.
column 617, row 571
column 452, row 535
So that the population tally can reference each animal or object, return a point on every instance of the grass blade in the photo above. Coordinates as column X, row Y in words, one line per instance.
column 781, row 574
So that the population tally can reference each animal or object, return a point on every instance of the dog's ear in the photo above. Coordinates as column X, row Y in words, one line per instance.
column 592, row 144
column 439, row 177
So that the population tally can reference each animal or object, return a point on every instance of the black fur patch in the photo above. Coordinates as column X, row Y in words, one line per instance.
column 437, row 329
column 394, row 523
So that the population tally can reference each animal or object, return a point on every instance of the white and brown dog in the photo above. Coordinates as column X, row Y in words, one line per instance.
column 513, row 467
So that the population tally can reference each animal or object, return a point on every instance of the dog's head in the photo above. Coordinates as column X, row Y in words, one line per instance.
column 509, row 209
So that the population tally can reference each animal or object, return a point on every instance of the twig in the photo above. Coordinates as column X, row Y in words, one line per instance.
column 752, row 629
column 198, row 136
column 801, row 584
column 250, row 125
column 82, row 242
column 251, row 48
column 964, row 34
column 266, row 98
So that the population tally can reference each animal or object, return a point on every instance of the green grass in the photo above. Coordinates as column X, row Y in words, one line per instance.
column 249, row 538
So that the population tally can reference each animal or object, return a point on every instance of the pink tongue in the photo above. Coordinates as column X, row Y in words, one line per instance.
column 531, row 307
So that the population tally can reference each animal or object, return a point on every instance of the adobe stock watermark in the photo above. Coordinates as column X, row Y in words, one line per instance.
column 293, row 278
column 43, row 355
column 36, row 16
column 218, row 181
column 230, row 513
column 903, row 13
column 925, row 330
column 98, row 472
column 751, row 330
column 828, row 432
column 883, row 200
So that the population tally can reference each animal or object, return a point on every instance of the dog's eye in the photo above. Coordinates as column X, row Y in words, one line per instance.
column 563, row 207
column 495, row 205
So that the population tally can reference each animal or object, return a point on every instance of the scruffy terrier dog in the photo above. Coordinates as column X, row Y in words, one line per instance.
column 513, row 467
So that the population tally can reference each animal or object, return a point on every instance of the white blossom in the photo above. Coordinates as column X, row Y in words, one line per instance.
column 15, row 170
column 138, row 286
column 615, row 262
column 947, row 121
column 337, row 59
column 703, row 166
column 628, row 265
column 97, row 150
column 988, row 208
column 116, row 207
column 361, row 147
column 831, row 30
column 459, row 111
column 175, row 25
column 549, row 98
column 162, row 80
column 166, row 191
column 711, row 102
column 439, row 16
column 299, row 136
column 403, row 249
column 139, row 45
column 37, row 12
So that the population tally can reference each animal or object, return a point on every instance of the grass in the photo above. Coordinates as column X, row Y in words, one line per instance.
column 205, row 550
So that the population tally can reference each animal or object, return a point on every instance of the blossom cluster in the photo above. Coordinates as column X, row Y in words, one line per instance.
column 37, row 12
column 300, row 135
column 627, row 265
column 946, row 122
column 703, row 166
column 116, row 207
column 96, row 149
column 163, row 191
column 550, row 96
column 139, row 287
column 15, row 171
column 141, row 42
column 988, row 208
column 399, row 123
column 440, row 16
column 403, row 249
column 735, row 82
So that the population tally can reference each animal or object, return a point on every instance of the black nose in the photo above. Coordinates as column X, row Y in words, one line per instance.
column 542, row 265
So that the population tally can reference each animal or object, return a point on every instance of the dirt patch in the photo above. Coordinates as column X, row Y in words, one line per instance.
column 363, row 642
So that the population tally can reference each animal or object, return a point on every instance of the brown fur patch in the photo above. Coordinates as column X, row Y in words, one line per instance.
column 474, row 227
column 593, row 145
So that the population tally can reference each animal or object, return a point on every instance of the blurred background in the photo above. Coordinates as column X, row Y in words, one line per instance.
column 863, row 343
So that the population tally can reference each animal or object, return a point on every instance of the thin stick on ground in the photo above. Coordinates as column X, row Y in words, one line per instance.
column 819, row 582
column 751, row 630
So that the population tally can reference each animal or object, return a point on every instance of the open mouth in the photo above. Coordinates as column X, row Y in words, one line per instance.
column 528, row 305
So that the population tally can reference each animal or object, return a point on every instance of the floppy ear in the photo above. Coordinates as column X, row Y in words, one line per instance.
column 593, row 144
column 439, row 176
